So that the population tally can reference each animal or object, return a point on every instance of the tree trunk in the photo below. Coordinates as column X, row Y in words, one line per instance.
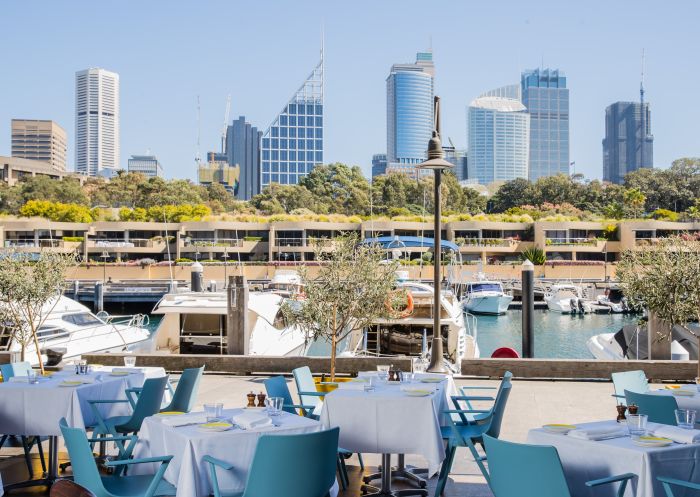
column 659, row 338
column 696, row 379
column 38, row 352
column 334, row 343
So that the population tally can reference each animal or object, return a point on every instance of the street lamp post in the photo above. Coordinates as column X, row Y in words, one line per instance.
column 225, row 266
column 437, row 163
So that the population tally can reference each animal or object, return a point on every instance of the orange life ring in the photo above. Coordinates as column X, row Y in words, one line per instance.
column 407, row 311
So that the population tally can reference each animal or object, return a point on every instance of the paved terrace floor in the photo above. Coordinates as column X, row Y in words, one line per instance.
column 531, row 404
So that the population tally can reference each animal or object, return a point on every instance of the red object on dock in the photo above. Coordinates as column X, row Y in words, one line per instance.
column 505, row 353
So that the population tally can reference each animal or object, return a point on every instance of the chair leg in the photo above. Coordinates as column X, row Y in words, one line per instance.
column 27, row 457
column 40, row 448
column 362, row 463
column 479, row 460
column 341, row 473
column 445, row 470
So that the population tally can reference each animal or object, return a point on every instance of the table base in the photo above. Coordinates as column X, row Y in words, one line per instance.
column 401, row 472
column 50, row 477
column 386, row 490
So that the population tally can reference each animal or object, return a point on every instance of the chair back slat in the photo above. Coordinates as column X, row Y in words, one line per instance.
column 521, row 470
column 148, row 403
column 499, row 406
column 85, row 471
column 186, row 391
column 277, row 387
column 305, row 383
column 658, row 408
column 633, row 381
column 303, row 465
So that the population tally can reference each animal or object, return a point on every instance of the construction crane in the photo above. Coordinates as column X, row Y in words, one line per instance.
column 198, row 157
column 223, row 130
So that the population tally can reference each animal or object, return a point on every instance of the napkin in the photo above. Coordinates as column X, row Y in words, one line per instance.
column 413, row 387
column 127, row 370
column 184, row 419
column 675, row 433
column 250, row 420
column 602, row 433
column 422, row 376
column 352, row 385
column 18, row 379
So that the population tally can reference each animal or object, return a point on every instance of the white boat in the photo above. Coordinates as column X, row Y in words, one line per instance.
column 412, row 335
column 614, row 300
column 567, row 299
column 71, row 326
column 631, row 342
column 486, row 297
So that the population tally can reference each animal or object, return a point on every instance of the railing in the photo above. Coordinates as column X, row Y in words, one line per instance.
column 486, row 242
column 124, row 243
column 41, row 243
column 213, row 242
column 572, row 241
column 290, row 242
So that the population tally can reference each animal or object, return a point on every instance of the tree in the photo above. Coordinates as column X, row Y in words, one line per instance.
column 281, row 199
column 474, row 201
column 343, row 189
column 29, row 290
column 665, row 278
column 350, row 292
column 512, row 193
column 634, row 202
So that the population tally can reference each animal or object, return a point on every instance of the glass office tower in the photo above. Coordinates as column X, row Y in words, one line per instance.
column 628, row 144
column 409, row 90
column 499, row 138
column 546, row 97
column 293, row 144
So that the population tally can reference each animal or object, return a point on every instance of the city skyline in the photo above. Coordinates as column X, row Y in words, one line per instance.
column 161, row 75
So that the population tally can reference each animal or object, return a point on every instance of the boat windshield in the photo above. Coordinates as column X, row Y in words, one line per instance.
column 82, row 319
column 484, row 287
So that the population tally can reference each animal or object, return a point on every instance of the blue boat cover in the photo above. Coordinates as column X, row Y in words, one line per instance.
column 392, row 242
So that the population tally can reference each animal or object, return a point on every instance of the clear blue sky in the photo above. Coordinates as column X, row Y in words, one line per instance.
column 168, row 52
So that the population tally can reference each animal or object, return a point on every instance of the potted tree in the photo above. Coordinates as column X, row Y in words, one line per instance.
column 351, row 289
column 664, row 278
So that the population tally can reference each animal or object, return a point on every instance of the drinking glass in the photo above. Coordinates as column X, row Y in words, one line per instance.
column 369, row 384
column 129, row 361
column 384, row 368
column 213, row 411
column 274, row 405
column 383, row 375
column 685, row 418
column 32, row 377
column 637, row 424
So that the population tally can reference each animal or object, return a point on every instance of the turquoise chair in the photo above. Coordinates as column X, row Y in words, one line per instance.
column 86, row 474
column 468, row 431
column 667, row 482
column 185, row 393
column 658, row 408
column 633, row 381
column 8, row 371
column 521, row 470
column 277, row 387
column 308, row 395
column 281, row 456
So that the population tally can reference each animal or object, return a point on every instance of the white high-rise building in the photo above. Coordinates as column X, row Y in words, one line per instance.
column 96, row 121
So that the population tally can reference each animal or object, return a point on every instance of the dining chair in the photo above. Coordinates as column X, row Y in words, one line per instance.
column 86, row 474
column 185, row 393
column 68, row 488
column 466, row 432
column 658, row 408
column 522, row 470
column 312, row 475
column 10, row 370
column 669, row 482
column 306, row 387
column 634, row 381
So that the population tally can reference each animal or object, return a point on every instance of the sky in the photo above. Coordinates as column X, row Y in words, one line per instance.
column 169, row 52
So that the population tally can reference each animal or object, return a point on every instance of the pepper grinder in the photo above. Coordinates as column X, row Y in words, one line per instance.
column 261, row 399
column 633, row 409
column 621, row 412
column 251, row 399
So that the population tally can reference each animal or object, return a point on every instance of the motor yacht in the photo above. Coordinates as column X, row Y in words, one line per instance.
column 486, row 297
column 632, row 342
column 567, row 299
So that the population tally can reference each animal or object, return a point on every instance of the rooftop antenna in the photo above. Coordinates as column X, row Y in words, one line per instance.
column 642, row 111
column 198, row 157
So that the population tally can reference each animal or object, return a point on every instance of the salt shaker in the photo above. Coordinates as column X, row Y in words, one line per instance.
column 251, row 399
column 621, row 412
column 261, row 399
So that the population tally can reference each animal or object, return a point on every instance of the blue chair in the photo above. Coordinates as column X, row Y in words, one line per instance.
column 302, row 466
column 667, row 482
column 86, row 474
column 658, row 408
column 469, row 431
column 308, row 395
column 8, row 371
column 185, row 393
column 521, row 470
column 277, row 387
column 633, row 381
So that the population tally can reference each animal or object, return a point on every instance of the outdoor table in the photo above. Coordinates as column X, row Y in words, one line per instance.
column 389, row 421
column 36, row 409
column 585, row 460
column 683, row 401
column 189, row 444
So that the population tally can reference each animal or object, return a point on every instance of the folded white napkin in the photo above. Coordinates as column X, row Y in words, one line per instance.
column 417, row 387
column 18, row 379
column 184, row 419
column 351, row 385
column 602, row 433
column 127, row 370
column 430, row 376
column 675, row 433
column 250, row 420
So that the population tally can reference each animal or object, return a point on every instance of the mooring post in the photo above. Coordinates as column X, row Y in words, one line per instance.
column 528, row 296
column 99, row 297
column 237, row 316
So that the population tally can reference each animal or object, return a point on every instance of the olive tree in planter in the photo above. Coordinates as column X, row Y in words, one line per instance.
column 353, row 287
column 664, row 278
column 29, row 290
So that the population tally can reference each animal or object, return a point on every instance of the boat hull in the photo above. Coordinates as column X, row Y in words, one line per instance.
column 494, row 305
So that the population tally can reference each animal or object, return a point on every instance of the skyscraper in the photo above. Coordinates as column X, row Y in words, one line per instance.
column 409, row 111
column 546, row 97
column 628, row 144
column 499, row 138
column 458, row 158
column 96, row 121
column 40, row 140
column 378, row 164
column 148, row 165
column 293, row 144
column 243, row 149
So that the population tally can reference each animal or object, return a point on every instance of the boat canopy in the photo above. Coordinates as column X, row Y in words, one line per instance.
column 392, row 242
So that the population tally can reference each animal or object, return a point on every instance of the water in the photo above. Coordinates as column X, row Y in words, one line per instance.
column 557, row 336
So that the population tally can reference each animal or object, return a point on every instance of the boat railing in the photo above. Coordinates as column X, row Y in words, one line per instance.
column 470, row 322
column 111, row 322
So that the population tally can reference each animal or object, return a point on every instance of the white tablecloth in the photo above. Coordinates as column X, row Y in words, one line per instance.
column 189, row 445
column 684, row 401
column 388, row 421
column 585, row 460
